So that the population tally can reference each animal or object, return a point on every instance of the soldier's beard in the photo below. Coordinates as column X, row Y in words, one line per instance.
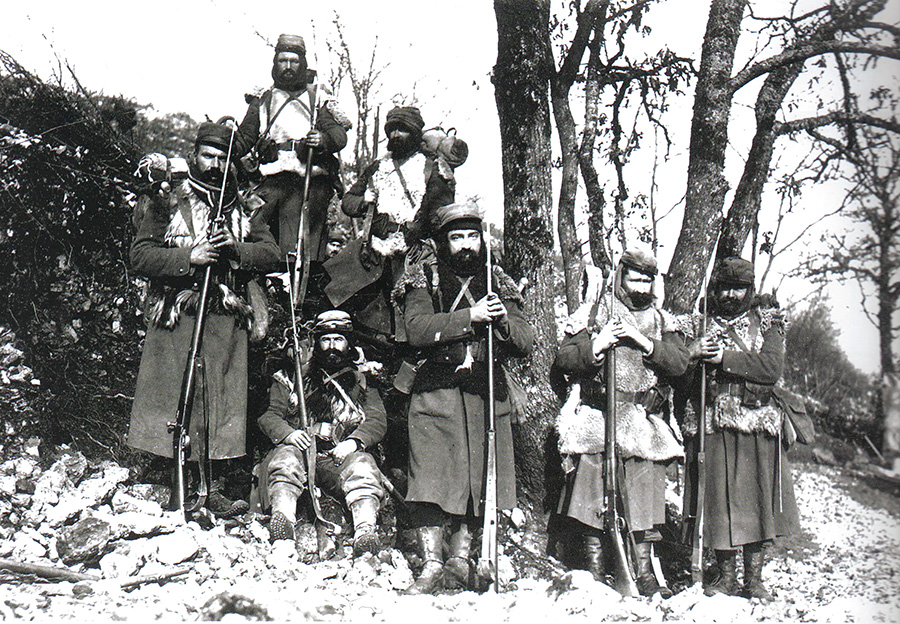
column 401, row 147
column 730, row 306
column 333, row 359
column 641, row 300
column 288, row 79
column 466, row 262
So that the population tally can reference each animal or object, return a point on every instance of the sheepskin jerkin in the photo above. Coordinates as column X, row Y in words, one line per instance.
column 581, row 426
column 727, row 412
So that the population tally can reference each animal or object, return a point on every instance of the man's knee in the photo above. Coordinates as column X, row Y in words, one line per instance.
column 287, row 466
column 361, row 477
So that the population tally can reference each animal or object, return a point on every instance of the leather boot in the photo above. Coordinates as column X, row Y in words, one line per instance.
column 754, row 559
column 221, row 506
column 458, row 568
column 594, row 557
column 726, row 583
column 431, row 544
column 284, row 511
column 365, row 513
column 646, row 578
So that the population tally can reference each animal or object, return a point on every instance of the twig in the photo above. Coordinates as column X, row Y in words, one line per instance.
column 872, row 446
column 63, row 574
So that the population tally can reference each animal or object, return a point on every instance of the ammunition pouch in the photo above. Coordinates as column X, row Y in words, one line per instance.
column 653, row 400
column 267, row 151
column 752, row 395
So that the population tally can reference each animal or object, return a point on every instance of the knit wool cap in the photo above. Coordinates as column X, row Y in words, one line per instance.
column 734, row 270
column 216, row 135
column 333, row 322
column 461, row 215
column 408, row 117
column 640, row 261
column 291, row 43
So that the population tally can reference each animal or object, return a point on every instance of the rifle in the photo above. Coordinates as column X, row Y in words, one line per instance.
column 311, row 452
column 180, row 427
column 300, row 274
column 487, row 562
column 615, row 524
column 697, row 532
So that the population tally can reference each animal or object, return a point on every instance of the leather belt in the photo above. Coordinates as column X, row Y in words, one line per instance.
column 634, row 397
column 731, row 388
column 291, row 145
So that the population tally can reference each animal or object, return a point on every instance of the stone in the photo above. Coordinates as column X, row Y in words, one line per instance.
column 307, row 540
column 221, row 605
column 175, row 547
column 8, row 485
column 25, row 467
column 119, row 564
column 21, row 501
column 124, row 502
column 74, row 464
column 149, row 492
column 32, row 447
column 26, row 486
column 82, row 588
column 720, row 609
column 86, row 540
column 506, row 570
column 27, row 549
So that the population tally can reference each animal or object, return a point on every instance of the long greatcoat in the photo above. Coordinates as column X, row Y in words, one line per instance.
column 161, row 251
column 645, row 446
column 447, row 418
column 749, row 490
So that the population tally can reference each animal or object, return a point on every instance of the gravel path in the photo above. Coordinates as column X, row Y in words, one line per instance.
column 844, row 567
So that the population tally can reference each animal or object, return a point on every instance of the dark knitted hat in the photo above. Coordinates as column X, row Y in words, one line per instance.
column 407, row 117
column 640, row 261
column 735, row 271
column 291, row 43
column 216, row 135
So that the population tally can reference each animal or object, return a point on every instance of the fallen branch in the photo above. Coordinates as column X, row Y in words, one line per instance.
column 47, row 572
column 63, row 574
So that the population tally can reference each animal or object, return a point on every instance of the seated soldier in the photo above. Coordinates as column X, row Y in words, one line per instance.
column 346, row 418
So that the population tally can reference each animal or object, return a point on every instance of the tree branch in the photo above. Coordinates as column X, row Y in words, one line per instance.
column 842, row 117
column 805, row 52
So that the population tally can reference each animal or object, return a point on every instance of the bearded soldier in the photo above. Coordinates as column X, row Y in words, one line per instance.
column 649, row 348
column 279, row 127
column 749, row 498
column 403, row 187
column 173, row 244
column 448, row 312
column 347, row 418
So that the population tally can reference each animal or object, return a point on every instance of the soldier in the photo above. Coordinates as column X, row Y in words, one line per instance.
column 347, row 417
column 173, row 244
column 396, row 195
column 749, row 497
column 278, row 126
column 649, row 348
column 403, row 187
column 448, row 312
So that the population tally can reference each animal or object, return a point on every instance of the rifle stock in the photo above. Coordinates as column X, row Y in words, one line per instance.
column 180, row 427
column 488, row 561
column 311, row 451
column 300, row 275
column 623, row 572
column 697, row 536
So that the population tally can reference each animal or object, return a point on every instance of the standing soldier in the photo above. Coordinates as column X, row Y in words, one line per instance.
column 648, row 349
column 749, row 498
column 279, row 127
column 347, row 417
column 448, row 313
column 173, row 243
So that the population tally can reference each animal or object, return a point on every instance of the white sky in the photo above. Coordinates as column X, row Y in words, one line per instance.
column 200, row 57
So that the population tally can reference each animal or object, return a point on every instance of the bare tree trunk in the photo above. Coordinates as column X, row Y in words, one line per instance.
column 706, row 187
column 596, row 200
column 521, row 83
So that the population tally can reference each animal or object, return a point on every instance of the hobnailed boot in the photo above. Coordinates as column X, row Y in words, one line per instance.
column 594, row 557
column 365, row 514
column 754, row 559
column 646, row 578
column 430, row 539
column 221, row 506
column 726, row 583
column 284, row 511
column 458, row 568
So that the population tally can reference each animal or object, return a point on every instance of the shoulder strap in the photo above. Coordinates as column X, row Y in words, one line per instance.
column 267, row 102
column 412, row 202
column 754, row 331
